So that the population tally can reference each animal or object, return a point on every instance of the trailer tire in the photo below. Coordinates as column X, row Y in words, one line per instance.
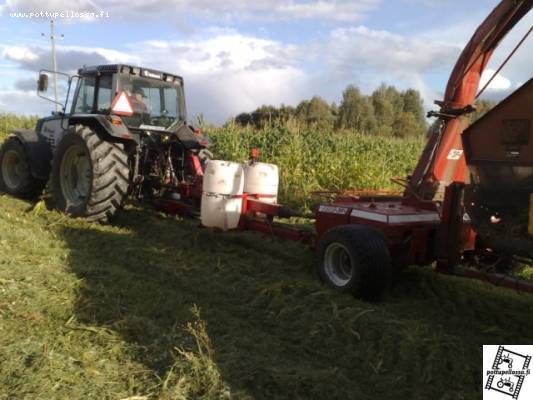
column 15, row 171
column 355, row 259
column 90, row 176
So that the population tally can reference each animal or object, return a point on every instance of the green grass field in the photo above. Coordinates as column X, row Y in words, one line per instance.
column 158, row 307
column 155, row 307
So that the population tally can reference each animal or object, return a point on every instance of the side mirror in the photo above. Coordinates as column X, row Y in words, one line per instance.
column 42, row 84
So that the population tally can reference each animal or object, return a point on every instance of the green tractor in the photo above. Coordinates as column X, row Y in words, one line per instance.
column 124, row 134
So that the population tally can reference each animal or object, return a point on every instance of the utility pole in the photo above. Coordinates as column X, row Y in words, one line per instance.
column 54, row 60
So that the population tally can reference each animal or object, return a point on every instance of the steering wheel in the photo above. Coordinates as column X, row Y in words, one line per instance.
column 161, row 121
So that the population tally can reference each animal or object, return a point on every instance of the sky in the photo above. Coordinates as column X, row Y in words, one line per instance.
column 236, row 55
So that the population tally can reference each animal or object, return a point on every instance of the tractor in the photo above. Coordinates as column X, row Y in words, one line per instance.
column 125, row 133
column 506, row 383
column 506, row 359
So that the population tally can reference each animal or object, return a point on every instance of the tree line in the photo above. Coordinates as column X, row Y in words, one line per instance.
column 387, row 112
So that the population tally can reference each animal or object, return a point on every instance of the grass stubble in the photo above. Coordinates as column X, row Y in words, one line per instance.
column 156, row 307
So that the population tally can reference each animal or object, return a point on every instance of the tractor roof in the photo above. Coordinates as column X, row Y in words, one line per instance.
column 115, row 68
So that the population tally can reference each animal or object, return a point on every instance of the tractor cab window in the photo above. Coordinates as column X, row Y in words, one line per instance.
column 157, row 104
column 171, row 102
column 105, row 85
column 85, row 99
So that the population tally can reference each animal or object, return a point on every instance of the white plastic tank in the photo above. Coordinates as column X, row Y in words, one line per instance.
column 220, row 211
column 223, row 177
column 222, row 181
column 262, row 179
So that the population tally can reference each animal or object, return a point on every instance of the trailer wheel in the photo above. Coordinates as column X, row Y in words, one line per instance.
column 15, row 173
column 90, row 176
column 355, row 259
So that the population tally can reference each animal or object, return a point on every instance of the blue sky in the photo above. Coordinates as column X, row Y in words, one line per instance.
column 236, row 55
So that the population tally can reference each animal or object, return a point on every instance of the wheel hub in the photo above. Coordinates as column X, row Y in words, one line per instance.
column 75, row 175
column 338, row 264
column 14, row 170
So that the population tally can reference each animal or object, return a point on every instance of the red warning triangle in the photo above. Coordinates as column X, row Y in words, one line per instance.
column 121, row 105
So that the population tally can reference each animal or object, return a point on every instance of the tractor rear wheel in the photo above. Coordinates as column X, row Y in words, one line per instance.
column 90, row 176
column 355, row 259
column 15, row 173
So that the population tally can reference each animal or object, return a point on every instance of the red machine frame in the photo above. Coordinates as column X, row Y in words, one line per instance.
column 428, row 222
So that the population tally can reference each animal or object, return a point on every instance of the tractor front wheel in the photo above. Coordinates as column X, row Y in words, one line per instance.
column 89, row 175
column 355, row 259
column 15, row 173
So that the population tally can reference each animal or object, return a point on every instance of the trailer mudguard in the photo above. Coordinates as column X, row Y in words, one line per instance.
column 38, row 150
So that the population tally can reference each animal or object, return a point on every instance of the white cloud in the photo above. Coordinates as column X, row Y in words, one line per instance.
column 226, row 52
column 356, row 48
column 230, row 73
column 24, row 102
column 69, row 58
column 367, row 57
column 224, row 75
column 499, row 82
column 20, row 54
column 518, row 69
column 227, row 72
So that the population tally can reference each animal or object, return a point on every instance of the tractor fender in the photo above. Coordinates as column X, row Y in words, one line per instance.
column 102, row 124
column 38, row 150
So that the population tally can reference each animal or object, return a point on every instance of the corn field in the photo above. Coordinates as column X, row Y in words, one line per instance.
column 311, row 160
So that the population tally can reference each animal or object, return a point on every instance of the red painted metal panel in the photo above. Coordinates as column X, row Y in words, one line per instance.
column 443, row 161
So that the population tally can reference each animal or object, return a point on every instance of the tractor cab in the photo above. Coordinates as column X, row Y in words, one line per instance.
column 144, row 99
column 119, row 101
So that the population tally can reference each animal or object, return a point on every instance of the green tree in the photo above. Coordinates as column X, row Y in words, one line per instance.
column 406, row 125
column 264, row 116
column 301, row 111
column 285, row 113
column 383, row 109
column 356, row 111
column 244, row 119
column 315, row 113
column 395, row 97
column 319, row 114
column 412, row 103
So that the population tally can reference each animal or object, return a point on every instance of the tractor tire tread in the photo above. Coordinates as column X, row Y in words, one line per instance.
column 33, row 187
column 370, row 252
column 110, row 172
